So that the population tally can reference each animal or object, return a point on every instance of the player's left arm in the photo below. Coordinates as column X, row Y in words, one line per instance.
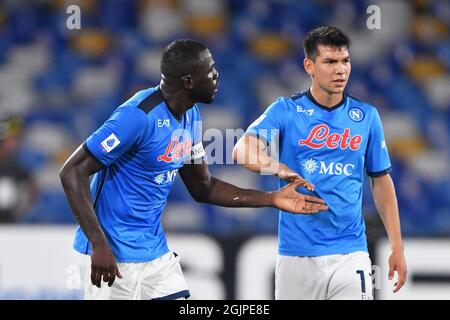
column 207, row 189
column 383, row 192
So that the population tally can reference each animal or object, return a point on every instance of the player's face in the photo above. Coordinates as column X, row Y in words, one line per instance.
column 206, row 79
column 331, row 68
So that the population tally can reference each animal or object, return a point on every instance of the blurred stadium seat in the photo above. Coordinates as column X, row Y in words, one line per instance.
column 64, row 83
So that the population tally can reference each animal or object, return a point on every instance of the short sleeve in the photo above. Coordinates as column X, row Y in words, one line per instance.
column 117, row 135
column 377, row 156
column 270, row 123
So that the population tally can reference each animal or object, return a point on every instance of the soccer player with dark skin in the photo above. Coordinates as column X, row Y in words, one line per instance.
column 196, row 81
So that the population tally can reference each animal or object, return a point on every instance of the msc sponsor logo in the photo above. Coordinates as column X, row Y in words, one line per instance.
column 320, row 137
column 331, row 168
column 166, row 177
column 310, row 166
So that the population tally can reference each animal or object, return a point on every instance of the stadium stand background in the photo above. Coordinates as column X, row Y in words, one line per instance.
column 63, row 84
column 58, row 85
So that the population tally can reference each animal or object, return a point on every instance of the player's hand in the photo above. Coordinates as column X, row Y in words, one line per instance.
column 397, row 263
column 289, row 175
column 287, row 199
column 103, row 265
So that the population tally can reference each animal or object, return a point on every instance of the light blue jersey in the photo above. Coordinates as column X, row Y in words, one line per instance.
column 331, row 148
column 140, row 147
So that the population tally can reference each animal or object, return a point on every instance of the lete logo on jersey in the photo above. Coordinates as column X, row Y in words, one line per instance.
column 320, row 137
column 176, row 150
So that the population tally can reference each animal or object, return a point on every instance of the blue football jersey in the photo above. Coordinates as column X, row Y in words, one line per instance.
column 140, row 147
column 331, row 148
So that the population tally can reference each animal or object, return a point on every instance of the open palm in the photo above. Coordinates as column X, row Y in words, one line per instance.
column 287, row 199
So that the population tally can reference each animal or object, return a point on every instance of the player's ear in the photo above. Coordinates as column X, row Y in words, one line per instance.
column 308, row 65
column 188, row 82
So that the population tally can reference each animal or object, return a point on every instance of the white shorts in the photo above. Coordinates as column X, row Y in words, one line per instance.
column 337, row 276
column 159, row 279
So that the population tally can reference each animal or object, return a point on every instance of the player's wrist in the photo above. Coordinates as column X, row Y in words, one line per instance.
column 281, row 170
column 271, row 196
column 397, row 248
column 269, row 169
column 98, row 241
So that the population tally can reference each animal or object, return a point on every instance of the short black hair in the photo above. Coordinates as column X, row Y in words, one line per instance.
column 180, row 57
column 329, row 36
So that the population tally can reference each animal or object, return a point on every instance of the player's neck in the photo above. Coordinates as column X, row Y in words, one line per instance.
column 324, row 98
column 175, row 99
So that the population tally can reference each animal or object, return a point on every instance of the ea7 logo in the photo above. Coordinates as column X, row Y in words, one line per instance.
column 308, row 112
column 163, row 123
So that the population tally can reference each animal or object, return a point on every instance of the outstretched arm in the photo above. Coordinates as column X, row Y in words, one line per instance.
column 74, row 177
column 386, row 202
column 205, row 188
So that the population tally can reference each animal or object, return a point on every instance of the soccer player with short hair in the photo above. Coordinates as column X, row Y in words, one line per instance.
column 135, row 156
column 330, row 139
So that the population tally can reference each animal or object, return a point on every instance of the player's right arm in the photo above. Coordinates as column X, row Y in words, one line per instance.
column 251, row 152
column 74, row 177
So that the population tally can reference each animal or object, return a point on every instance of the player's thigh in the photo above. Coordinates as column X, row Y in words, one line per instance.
column 299, row 278
column 167, row 282
column 352, row 279
column 285, row 278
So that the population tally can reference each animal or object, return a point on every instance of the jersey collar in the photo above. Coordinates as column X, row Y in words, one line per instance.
column 329, row 109
column 167, row 105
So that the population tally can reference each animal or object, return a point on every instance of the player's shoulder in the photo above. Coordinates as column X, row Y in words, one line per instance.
column 355, row 102
column 146, row 100
column 297, row 96
column 285, row 103
column 133, row 109
column 360, row 109
column 142, row 104
column 294, row 99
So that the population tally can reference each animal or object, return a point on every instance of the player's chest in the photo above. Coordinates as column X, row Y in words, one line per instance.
column 168, row 149
column 328, row 134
